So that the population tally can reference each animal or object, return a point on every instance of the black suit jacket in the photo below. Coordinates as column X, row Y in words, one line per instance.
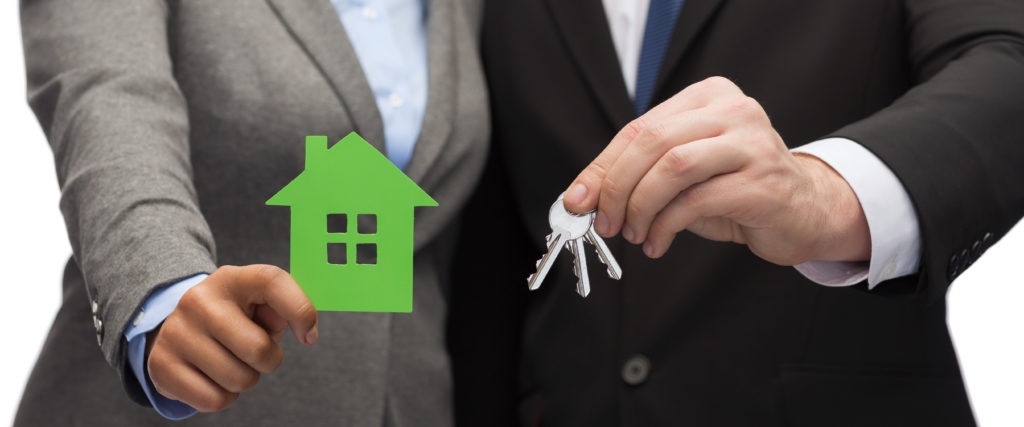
column 935, row 88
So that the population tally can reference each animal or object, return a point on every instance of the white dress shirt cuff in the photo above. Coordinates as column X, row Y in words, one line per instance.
column 892, row 221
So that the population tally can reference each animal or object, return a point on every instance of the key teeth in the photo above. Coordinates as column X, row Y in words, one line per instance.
column 605, row 261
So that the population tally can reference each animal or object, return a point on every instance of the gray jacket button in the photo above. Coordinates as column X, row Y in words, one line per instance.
column 96, row 322
column 636, row 369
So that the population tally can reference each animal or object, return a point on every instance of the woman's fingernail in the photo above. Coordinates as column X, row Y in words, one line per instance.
column 601, row 224
column 576, row 194
column 312, row 336
column 627, row 233
column 649, row 250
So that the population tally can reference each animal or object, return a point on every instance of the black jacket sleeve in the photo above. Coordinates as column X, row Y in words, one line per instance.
column 956, row 140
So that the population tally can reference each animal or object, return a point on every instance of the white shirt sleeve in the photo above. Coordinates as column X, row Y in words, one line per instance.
column 892, row 221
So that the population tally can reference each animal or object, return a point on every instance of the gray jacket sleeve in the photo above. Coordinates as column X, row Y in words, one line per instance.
column 100, row 81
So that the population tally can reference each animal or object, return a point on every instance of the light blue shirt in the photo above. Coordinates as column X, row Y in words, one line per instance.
column 389, row 38
column 154, row 310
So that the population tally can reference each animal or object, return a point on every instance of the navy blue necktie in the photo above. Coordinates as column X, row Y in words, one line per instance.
column 661, row 20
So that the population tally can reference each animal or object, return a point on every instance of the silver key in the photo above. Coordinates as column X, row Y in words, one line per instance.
column 565, row 226
column 605, row 255
column 579, row 265
column 571, row 230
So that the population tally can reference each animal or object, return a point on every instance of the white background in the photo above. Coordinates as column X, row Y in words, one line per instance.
column 985, row 316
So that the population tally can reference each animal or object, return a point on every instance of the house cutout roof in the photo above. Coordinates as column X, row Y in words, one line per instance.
column 351, row 175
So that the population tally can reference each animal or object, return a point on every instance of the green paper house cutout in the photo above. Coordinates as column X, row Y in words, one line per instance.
column 340, row 258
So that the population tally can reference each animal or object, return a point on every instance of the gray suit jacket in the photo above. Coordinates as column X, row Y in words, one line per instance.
column 171, row 124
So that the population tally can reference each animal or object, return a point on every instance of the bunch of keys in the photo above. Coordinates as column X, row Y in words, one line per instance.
column 570, row 230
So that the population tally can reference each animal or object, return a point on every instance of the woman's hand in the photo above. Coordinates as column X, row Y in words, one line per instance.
column 224, row 334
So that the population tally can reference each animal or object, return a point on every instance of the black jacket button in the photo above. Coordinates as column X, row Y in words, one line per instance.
column 976, row 250
column 954, row 267
column 636, row 369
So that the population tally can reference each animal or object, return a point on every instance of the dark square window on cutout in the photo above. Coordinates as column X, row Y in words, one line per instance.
column 336, row 253
column 367, row 223
column 337, row 223
column 366, row 253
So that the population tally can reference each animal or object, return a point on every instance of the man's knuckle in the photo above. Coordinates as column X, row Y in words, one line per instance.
column 652, row 137
column 610, row 188
column 634, row 210
column 750, row 102
column 596, row 170
column 717, row 83
column 656, row 230
column 654, row 131
column 745, row 108
column 636, row 127
column 680, row 160
column 763, row 144
column 694, row 196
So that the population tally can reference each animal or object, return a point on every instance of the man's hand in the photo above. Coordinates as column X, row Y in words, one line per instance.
column 708, row 160
column 224, row 333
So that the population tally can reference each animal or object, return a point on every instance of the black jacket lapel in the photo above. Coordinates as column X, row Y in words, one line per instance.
column 584, row 28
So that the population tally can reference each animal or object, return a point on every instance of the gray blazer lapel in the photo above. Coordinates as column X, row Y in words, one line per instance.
column 442, row 75
column 315, row 26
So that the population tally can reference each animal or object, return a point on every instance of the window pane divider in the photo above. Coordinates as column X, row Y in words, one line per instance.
column 351, row 238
